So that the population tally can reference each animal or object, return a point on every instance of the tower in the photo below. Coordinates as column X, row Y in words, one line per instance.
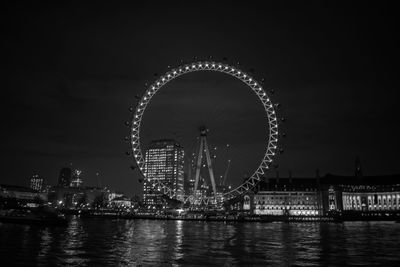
column 65, row 177
column 203, row 147
column 36, row 182
column 163, row 162
column 76, row 180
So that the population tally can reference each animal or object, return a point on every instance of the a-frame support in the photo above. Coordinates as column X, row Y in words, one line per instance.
column 204, row 147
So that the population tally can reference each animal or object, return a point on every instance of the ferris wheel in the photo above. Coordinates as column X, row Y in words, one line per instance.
column 255, row 86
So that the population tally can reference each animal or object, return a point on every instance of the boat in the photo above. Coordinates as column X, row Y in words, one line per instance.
column 32, row 217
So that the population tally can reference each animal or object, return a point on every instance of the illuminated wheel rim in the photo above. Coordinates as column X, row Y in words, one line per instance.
column 217, row 67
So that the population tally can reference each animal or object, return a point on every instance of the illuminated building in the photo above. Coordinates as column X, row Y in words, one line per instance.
column 367, row 194
column 76, row 180
column 65, row 177
column 121, row 202
column 353, row 197
column 288, row 197
column 112, row 195
column 36, row 182
column 164, row 163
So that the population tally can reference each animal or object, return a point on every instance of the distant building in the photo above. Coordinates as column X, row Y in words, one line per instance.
column 65, row 177
column 23, row 196
column 368, row 194
column 300, row 196
column 121, row 202
column 36, row 183
column 163, row 162
column 351, row 196
column 71, row 197
column 76, row 180
column 112, row 195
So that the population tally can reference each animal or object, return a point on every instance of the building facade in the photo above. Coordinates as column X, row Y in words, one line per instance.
column 163, row 162
column 288, row 196
column 76, row 179
column 36, row 183
column 350, row 196
column 367, row 194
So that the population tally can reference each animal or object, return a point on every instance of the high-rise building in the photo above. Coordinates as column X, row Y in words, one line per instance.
column 64, row 179
column 163, row 162
column 76, row 180
column 36, row 182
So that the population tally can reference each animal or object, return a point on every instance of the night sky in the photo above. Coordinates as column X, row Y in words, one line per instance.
column 72, row 71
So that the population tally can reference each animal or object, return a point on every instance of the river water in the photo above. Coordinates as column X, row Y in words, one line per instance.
column 103, row 242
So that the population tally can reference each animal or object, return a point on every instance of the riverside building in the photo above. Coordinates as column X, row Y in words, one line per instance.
column 164, row 163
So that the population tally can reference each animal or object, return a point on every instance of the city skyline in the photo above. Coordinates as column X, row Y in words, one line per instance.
column 68, row 95
column 200, row 133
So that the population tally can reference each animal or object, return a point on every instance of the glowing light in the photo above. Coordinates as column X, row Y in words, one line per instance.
column 215, row 66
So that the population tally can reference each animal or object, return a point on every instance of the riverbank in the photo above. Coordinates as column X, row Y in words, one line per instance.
column 231, row 218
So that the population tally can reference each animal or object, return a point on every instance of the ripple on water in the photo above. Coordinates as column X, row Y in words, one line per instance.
column 92, row 242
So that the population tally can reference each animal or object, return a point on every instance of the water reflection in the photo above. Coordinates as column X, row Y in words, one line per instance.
column 94, row 242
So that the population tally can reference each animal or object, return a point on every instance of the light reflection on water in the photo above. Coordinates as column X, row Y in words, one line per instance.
column 93, row 242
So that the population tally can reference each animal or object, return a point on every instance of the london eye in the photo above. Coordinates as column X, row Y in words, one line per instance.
column 201, row 66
